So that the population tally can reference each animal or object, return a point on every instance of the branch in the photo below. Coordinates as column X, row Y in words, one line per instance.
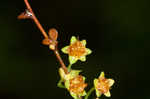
column 35, row 19
column 50, row 40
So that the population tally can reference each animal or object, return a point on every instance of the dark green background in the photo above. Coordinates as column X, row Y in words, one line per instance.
column 117, row 31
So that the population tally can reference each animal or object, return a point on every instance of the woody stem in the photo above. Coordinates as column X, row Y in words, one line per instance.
column 35, row 19
column 45, row 35
column 61, row 61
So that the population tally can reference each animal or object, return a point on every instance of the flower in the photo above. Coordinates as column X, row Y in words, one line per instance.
column 74, row 83
column 77, row 86
column 102, row 85
column 77, row 50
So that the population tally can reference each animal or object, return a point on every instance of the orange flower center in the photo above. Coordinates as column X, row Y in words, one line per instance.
column 77, row 85
column 103, row 85
column 77, row 49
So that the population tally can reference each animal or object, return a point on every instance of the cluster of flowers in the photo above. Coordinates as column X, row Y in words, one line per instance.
column 73, row 81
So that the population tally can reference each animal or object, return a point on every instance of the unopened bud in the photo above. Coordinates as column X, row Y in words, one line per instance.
column 53, row 34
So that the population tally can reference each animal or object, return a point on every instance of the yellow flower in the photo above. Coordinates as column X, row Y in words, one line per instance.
column 74, row 83
column 77, row 50
column 77, row 85
column 102, row 85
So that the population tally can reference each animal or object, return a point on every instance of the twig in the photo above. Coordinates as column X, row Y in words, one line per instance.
column 45, row 35
column 61, row 61
column 35, row 19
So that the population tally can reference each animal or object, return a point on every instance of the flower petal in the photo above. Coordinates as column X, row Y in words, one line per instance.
column 83, row 78
column 95, row 82
column 67, row 84
column 111, row 82
column 102, row 75
column 52, row 47
column 74, row 73
column 88, row 51
column 74, row 95
column 62, row 73
column 73, row 39
column 64, row 50
column 107, row 94
column 83, row 94
column 83, row 42
column 98, row 93
column 72, row 59
column 83, row 58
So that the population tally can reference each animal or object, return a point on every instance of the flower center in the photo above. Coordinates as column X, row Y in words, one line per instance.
column 103, row 85
column 77, row 49
column 77, row 85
